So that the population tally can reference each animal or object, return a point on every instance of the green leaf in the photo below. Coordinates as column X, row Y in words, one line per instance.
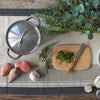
column 76, row 8
column 91, row 20
column 81, row 8
column 88, row 26
column 90, row 1
column 85, row 21
column 98, row 13
column 69, row 2
column 98, row 29
column 79, row 24
column 60, row 6
column 73, row 27
column 87, row 32
column 80, row 18
column 80, row 2
column 90, row 36
column 75, row 12
column 95, row 3
column 87, row 12
column 93, row 15
column 83, row 32
column 87, row 4
column 66, row 16
column 96, row 21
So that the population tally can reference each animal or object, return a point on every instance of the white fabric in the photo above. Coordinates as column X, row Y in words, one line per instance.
column 54, row 78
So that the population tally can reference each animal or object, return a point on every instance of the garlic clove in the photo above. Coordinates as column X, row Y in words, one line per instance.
column 34, row 76
column 97, row 81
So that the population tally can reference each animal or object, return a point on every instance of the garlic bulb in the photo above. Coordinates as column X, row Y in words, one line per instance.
column 34, row 76
column 97, row 81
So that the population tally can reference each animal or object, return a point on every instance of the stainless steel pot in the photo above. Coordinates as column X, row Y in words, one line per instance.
column 23, row 37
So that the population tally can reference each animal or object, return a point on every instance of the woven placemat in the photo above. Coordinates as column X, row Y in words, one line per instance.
column 48, row 83
column 18, row 12
column 54, row 78
column 42, row 91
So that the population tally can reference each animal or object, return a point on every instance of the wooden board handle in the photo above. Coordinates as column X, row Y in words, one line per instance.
column 72, row 65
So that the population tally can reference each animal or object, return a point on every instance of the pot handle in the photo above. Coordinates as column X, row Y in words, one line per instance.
column 13, row 57
column 37, row 19
column 98, row 58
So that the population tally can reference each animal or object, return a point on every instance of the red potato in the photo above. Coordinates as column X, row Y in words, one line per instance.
column 23, row 65
column 14, row 73
column 5, row 69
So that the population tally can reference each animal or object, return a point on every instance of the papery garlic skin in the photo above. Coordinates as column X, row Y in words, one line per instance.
column 34, row 76
column 97, row 81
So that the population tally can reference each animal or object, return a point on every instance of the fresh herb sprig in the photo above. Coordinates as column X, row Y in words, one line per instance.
column 64, row 57
column 43, row 56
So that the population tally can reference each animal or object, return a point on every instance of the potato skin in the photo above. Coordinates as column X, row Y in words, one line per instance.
column 5, row 69
column 14, row 73
column 23, row 65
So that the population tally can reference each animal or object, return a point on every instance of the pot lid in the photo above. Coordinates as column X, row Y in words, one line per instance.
column 23, row 37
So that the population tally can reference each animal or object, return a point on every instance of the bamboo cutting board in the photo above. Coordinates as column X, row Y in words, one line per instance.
column 84, row 61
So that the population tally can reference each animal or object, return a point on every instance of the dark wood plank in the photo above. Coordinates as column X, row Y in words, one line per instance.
column 48, row 97
column 79, row 97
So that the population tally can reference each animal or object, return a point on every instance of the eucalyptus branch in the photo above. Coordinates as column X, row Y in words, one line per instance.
column 72, row 15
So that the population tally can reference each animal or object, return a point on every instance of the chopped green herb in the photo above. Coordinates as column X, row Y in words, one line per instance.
column 64, row 57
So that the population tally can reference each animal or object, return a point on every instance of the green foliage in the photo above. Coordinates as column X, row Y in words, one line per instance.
column 98, row 29
column 73, row 27
column 93, row 15
column 87, row 4
column 88, row 26
column 43, row 56
column 81, row 8
column 95, row 3
column 66, row 16
column 80, row 19
column 64, row 57
column 72, row 15
column 90, row 36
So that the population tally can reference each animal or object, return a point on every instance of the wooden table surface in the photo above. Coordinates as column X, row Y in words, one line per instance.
column 48, row 97
column 37, row 4
column 27, row 4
